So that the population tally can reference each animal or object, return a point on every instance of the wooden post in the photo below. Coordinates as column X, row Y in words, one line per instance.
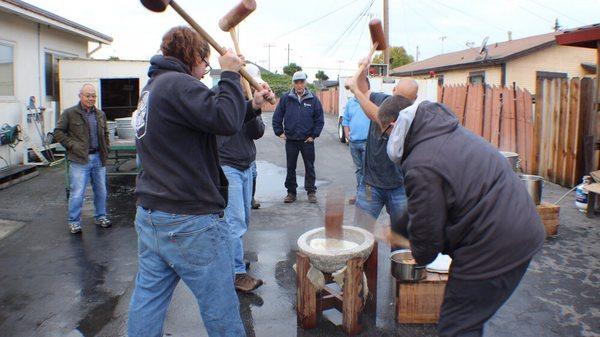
column 371, row 271
column 352, row 300
column 306, row 294
column 537, row 126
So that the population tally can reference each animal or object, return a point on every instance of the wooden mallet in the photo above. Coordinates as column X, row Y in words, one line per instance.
column 161, row 5
column 228, row 23
column 378, row 42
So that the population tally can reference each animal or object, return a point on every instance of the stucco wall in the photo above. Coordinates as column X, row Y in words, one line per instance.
column 492, row 75
column 557, row 58
column 30, row 41
column 74, row 73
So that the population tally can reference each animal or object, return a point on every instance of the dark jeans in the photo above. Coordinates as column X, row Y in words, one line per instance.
column 469, row 304
column 357, row 150
column 292, row 149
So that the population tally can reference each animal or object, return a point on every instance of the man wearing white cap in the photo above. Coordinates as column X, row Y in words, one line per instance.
column 237, row 155
column 298, row 119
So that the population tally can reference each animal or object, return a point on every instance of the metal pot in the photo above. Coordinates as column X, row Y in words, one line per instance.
column 513, row 159
column 534, row 185
column 403, row 271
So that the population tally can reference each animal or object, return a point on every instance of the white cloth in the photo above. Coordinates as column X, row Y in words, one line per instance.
column 395, row 145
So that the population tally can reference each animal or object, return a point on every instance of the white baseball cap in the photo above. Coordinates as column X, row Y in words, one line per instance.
column 299, row 75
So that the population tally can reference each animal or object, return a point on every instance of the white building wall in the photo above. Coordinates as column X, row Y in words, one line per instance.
column 73, row 74
column 30, row 41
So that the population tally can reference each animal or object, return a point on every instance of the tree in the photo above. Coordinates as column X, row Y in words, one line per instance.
column 398, row 57
column 321, row 76
column 281, row 83
column 291, row 68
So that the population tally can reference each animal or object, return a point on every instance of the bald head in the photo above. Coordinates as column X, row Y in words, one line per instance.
column 87, row 96
column 408, row 88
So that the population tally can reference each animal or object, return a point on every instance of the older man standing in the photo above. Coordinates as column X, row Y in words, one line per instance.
column 82, row 131
column 298, row 119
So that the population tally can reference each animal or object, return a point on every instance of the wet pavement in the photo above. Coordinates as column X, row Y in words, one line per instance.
column 56, row 284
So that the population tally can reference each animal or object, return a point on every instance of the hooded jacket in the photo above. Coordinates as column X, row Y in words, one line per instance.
column 464, row 199
column 177, row 124
column 298, row 118
column 239, row 151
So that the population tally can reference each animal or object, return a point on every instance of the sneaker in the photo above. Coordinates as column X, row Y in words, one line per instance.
column 312, row 197
column 103, row 222
column 291, row 197
column 255, row 204
column 246, row 283
column 75, row 228
column 247, row 264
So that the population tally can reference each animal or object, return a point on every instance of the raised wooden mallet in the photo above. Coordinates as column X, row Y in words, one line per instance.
column 161, row 5
column 228, row 23
column 378, row 42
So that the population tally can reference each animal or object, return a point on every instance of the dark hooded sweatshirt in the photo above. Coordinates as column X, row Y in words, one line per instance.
column 464, row 199
column 239, row 151
column 177, row 125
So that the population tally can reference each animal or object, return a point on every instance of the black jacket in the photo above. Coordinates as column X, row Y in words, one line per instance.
column 464, row 199
column 239, row 151
column 298, row 118
column 177, row 123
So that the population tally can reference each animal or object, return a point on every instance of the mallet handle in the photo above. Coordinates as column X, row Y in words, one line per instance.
column 236, row 44
column 361, row 68
column 217, row 46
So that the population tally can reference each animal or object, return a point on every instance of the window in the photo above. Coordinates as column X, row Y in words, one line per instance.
column 477, row 77
column 7, row 83
column 51, row 75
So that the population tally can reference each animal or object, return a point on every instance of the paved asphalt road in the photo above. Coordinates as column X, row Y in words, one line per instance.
column 55, row 284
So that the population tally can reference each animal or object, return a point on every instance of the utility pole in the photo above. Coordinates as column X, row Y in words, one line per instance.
column 442, row 38
column 269, row 46
column 288, row 53
column 386, row 31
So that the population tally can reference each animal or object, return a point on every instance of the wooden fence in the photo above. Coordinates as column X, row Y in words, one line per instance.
column 550, row 141
column 501, row 115
column 330, row 100
column 564, row 119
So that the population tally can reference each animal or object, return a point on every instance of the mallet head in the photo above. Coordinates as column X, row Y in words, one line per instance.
column 377, row 35
column 237, row 14
column 156, row 5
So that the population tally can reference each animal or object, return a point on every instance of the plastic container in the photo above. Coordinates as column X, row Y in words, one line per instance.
column 581, row 195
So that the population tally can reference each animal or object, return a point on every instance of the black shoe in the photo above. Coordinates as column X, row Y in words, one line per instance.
column 255, row 204
column 291, row 197
column 312, row 197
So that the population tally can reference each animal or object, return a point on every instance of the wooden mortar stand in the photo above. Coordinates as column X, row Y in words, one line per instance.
column 311, row 303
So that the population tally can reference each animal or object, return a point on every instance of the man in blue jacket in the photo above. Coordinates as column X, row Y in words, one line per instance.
column 298, row 119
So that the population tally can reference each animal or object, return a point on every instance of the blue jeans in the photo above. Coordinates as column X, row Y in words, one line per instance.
column 195, row 249
column 79, row 175
column 370, row 200
column 357, row 150
column 237, row 213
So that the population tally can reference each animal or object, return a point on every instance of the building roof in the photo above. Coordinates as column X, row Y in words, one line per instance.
column 39, row 15
column 497, row 53
column 326, row 84
column 586, row 36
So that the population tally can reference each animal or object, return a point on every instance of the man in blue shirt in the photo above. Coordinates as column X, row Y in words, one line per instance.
column 356, row 127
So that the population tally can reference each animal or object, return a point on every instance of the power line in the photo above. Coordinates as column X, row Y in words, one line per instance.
column 350, row 28
column 316, row 19
column 424, row 19
column 469, row 15
column 534, row 13
column 358, row 41
column 557, row 11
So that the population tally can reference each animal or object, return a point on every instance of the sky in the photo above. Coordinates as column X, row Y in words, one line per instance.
column 329, row 35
